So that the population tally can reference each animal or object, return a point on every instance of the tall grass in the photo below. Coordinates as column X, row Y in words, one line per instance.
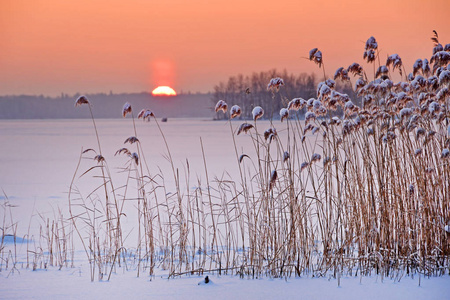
column 348, row 190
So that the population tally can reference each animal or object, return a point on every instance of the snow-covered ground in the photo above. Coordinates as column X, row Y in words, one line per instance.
column 75, row 284
column 37, row 162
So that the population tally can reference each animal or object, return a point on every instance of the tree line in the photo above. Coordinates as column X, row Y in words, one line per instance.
column 251, row 90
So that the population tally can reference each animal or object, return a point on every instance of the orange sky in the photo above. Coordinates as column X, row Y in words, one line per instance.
column 48, row 47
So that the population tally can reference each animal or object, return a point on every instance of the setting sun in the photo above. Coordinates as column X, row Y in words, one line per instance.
column 164, row 91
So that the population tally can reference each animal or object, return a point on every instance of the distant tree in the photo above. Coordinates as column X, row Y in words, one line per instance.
column 250, row 91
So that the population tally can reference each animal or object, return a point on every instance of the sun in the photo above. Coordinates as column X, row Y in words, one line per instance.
column 164, row 91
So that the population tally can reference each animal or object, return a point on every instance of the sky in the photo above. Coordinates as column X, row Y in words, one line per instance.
column 89, row 46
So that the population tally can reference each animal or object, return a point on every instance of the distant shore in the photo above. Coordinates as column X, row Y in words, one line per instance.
column 105, row 106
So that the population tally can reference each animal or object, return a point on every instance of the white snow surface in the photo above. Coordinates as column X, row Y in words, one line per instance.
column 75, row 284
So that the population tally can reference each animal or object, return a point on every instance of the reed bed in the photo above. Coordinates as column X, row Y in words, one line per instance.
column 332, row 188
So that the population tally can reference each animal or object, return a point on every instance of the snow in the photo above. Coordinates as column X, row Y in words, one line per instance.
column 36, row 179
column 74, row 284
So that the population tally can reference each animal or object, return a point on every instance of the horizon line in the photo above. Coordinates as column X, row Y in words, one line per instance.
column 110, row 93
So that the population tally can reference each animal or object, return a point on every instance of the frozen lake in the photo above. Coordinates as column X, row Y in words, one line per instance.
column 38, row 158
column 38, row 161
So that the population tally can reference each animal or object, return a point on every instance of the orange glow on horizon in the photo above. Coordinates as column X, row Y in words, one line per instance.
column 195, row 45
column 164, row 91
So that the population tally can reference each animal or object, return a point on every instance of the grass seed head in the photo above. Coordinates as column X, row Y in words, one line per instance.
column 309, row 116
column 411, row 189
column 433, row 83
column 123, row 150
column 304, row 165
column 426, row 67
column 131, row 140
column 273, row 178
column 270, row 134
column 315, row 55
column 126, row 109
column 342, row 74
column 371, row 43
column 296, row 104
column 257, row 112
column 99, row 158
column 324, row 91
column 307, row 128
column 235, row 111
column 382, row 70
column 395, row 61
column 284, row 114
column 135, row 157
column 444, row 78
column 326, row 161
column 369, row 55
column 275, row 84
column 221, row 105
column 88, row 150
column 355, row 69
column 245, row 127
column 241, row 158
column 82, row 100
column 315, row 157
column 417, row 66
column 439, row 59
column 285, row 156
column 145, row 114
